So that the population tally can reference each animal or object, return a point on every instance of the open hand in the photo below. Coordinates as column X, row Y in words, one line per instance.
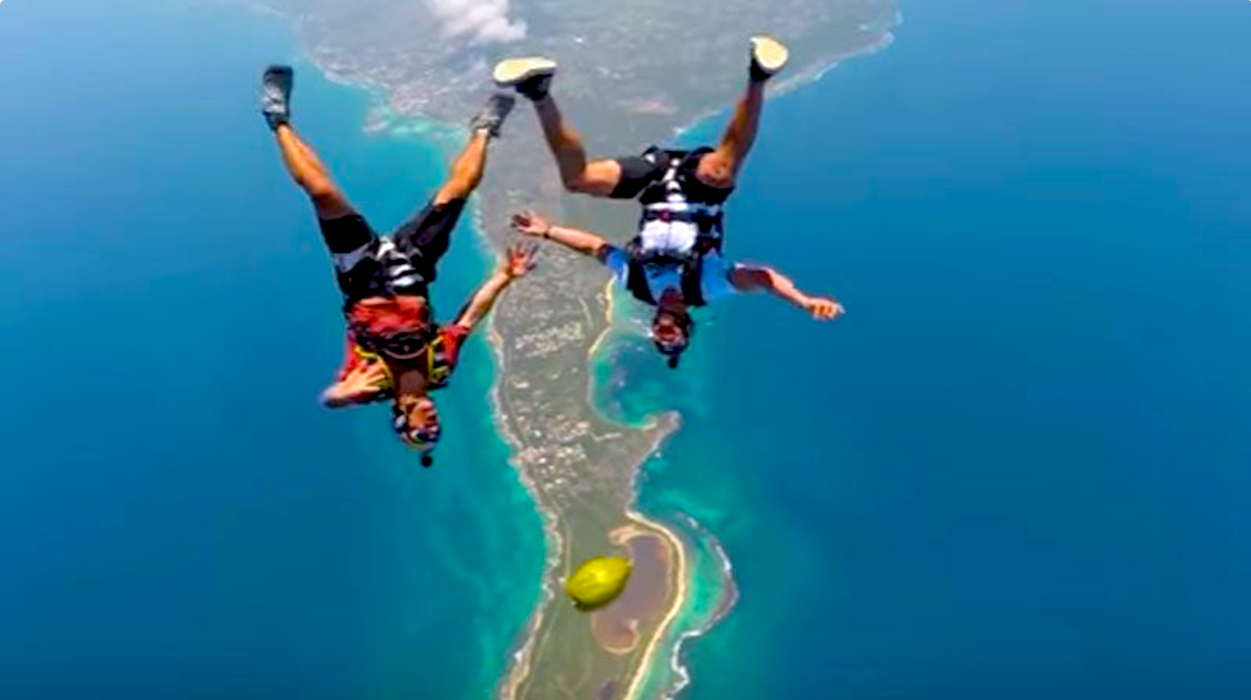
column 365, row 383
column 824, row 309
column 528, row 223
column 519, row 259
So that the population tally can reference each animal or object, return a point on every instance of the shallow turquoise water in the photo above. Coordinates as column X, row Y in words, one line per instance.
column 180, row 517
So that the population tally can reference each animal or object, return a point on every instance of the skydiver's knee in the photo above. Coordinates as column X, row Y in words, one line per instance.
column 720, row 181
column 572, row 183
column 453, row 190
column 578, row 183
column 323, row 192
column 716, row 172
column 319, row 189
column 330, row 203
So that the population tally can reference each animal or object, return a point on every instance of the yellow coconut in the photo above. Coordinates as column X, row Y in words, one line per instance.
column 597, row 582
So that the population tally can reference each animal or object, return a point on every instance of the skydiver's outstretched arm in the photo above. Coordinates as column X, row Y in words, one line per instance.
column 747, row 278
column 530, row 224
column 518, row 260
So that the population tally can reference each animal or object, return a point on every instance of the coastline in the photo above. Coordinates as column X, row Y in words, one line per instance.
column 805, row 77
column 1042, row 498
column 556, row 535
column 388, row 118
column 731, row 591
column 724, row 608
column 682, row 569
column 678, row 574
column 665, row 425
column 554, row 538
column 391, row 123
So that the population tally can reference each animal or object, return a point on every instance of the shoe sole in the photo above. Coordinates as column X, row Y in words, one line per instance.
column 283, row 73
column 513, row 71
column 278, row 81
column 769, row 53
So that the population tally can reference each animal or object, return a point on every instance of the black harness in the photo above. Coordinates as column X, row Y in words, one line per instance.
column 677, row 195
column 420, row 346
column 690, row 266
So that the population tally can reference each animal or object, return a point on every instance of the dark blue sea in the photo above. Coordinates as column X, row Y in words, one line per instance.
column 1016, row 469
column 1019, row 467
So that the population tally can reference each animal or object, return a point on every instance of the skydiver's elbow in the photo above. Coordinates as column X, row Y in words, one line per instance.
column 577, row 183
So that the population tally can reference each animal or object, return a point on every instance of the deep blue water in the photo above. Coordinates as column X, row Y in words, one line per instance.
column 1019, row 467
column 178, row 516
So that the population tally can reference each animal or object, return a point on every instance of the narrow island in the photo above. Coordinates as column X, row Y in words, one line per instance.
column 632, row 74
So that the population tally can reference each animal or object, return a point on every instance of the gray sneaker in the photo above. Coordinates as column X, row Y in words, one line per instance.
column 768, row 56
column 530, row 77
column 492, row 115
column 276, row 95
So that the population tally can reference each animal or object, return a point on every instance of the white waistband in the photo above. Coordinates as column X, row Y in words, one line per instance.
column 684, row 206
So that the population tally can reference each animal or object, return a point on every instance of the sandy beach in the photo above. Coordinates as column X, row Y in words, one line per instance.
column 678, row 575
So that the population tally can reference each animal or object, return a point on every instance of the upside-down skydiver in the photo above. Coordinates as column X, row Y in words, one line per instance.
column 395, row 350
column 675, row 261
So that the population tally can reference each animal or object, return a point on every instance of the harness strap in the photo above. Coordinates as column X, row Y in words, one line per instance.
column 691, row 269
column 438, row 368
column 692, row 282
column 636, row 281
column 688, row 215
column 677, row 196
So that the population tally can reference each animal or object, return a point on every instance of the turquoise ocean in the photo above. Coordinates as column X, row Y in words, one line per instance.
column 1017, row 468
column 178, row 516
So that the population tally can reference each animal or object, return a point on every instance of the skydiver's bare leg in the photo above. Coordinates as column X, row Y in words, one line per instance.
column 311, row 175
column 594, row 177
column 532, row 77
column 469, row 166
column 721, row 167
column 467, row 170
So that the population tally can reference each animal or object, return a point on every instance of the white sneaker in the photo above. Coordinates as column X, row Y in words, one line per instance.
column 530, row 76
column 768, row 56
